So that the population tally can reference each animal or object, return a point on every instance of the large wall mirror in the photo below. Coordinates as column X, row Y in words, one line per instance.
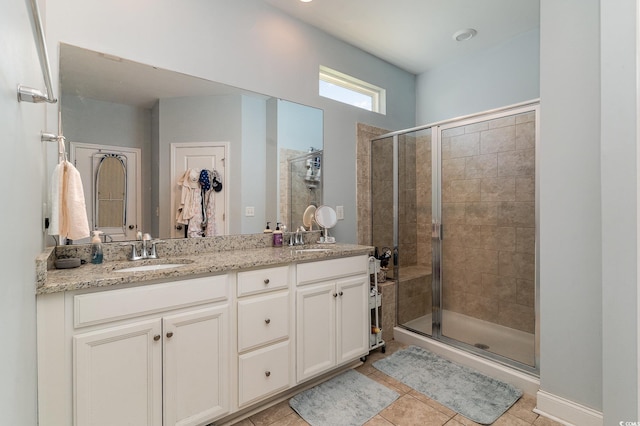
column 265, row 152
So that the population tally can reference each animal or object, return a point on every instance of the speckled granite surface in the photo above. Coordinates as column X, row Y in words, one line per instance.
column 200, row 256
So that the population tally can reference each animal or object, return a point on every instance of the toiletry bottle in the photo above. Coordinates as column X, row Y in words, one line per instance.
column 96, row 248
column 277, row 236
column 267, row 230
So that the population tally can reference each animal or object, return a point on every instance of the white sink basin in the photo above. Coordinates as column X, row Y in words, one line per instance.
column 150, row 267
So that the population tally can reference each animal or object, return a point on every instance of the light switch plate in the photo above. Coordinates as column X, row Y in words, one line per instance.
column 340, row 212
column 249, row 211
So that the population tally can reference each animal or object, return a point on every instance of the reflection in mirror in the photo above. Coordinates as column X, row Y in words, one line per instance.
column 305, row 183
column 111, row 193
column 108, row 101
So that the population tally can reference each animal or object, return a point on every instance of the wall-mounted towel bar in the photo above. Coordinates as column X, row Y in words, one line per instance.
column 29, row 94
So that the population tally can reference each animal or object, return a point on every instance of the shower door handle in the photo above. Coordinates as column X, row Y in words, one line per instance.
column 436, row 231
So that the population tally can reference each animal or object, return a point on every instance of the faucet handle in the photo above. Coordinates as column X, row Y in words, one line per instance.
column 134, row 255
column 153, row 254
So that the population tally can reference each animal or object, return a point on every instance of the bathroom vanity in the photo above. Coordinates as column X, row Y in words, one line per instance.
column 223, row 335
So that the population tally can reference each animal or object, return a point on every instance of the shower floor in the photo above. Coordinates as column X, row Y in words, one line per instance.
column 504, row 341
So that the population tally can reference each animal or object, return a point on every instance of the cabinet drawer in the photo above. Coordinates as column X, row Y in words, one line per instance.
column 109, row 305
column 263, row 372
column 261, row 280
column 327, row 269
column 263, row 320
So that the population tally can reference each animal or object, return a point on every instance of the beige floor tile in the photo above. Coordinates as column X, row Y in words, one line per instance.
column 245, row 422
column 378, row 421
column 465, row 421
column 523, row 408
column 398, row 386
column 366, row 369
column 545, row 421
column 454, row 422
column 408, row 411
column 272, row 414
column 435, row 404
column 509, row 420
column 290, row 420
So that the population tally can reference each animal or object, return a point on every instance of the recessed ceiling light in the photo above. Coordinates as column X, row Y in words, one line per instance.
column 305, row 1
column 464, row 35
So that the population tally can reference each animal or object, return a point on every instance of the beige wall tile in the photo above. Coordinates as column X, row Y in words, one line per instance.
column 502, row 122
column 455, row 169
column 480, row 166
column 517, row 316
column 516, row 163
column 484, row 213
column 498, row 140
column 454, row 131
column 464, row 145
column 506, row 238
column 520, row 214
column 525, row 136
column 479, row 260
column 526, row 240
column 526, row 294
column 498, row 189
column 476, row 127
column 514, row 264
column 461, row 190
column 525, row 117
column 453, row 212
column 525, row 188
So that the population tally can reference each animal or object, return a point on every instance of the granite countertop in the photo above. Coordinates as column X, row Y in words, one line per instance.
column 51, row 280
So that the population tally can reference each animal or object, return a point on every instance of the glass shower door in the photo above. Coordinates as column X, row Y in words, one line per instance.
column 487, row 172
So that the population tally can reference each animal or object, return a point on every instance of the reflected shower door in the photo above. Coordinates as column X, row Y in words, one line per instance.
column 488, row 234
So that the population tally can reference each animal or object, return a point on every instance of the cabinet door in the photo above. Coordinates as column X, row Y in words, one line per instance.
column 352, row 320
column 196, row 366
column 315, row 329
column 118, row 375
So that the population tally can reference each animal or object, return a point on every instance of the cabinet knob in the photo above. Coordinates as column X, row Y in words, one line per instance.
column 156, row 337
column 267, row 373
column 170, row 334
column 340, row 294
column 335, row 294
column 266, row 281
column 268, row 320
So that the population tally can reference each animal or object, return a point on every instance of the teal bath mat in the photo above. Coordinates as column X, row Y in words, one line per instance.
column 477, row 397
column 348, row 399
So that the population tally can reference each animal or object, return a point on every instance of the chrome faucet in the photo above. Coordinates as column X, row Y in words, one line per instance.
column 148, row 248
column 299, row 236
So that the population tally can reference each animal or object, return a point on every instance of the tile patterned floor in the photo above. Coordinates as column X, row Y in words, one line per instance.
column 411, row 409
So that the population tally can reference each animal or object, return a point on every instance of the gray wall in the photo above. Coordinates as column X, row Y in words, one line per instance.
column 570, row 216
column 497, row 77
column 23, row 173
column 619, row 180
column 246, row 44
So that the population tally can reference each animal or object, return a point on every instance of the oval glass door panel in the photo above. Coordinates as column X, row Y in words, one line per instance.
column 111, row 192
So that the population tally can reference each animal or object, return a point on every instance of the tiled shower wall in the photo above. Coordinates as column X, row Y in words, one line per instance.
column 488, row 215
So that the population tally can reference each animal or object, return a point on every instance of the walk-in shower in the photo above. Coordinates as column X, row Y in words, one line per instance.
column 456, row 202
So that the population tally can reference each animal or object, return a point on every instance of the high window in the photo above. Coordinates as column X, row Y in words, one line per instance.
column 352, row 91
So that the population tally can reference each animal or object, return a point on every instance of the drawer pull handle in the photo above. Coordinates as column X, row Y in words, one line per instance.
column 266, row 281
column 156, row 337
column 341, row 293
column 170, row 334
column 268, row 320
column 267, row 373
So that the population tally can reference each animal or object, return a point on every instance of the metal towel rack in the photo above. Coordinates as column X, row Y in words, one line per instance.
column 29, row 94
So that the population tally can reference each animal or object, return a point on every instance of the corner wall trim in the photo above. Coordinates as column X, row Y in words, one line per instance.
column 565, row 411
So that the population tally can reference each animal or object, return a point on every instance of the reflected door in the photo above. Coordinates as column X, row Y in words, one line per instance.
column 199, row 156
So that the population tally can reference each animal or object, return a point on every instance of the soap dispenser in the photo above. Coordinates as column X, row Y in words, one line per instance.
column 96, row 248
column 267, row 230
column 277, row 236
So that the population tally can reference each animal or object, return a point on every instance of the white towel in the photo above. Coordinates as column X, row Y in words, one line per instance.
column 68, row 208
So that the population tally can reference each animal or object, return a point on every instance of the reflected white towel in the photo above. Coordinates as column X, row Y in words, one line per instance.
column 68, row 209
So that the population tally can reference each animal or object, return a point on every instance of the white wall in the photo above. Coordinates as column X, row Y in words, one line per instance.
column 22, row 172
column 246, row 44
column 504, row 75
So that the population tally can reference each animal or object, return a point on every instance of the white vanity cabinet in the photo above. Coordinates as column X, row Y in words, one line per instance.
column 332, row 316
column 265, row 323
column 149, row 355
